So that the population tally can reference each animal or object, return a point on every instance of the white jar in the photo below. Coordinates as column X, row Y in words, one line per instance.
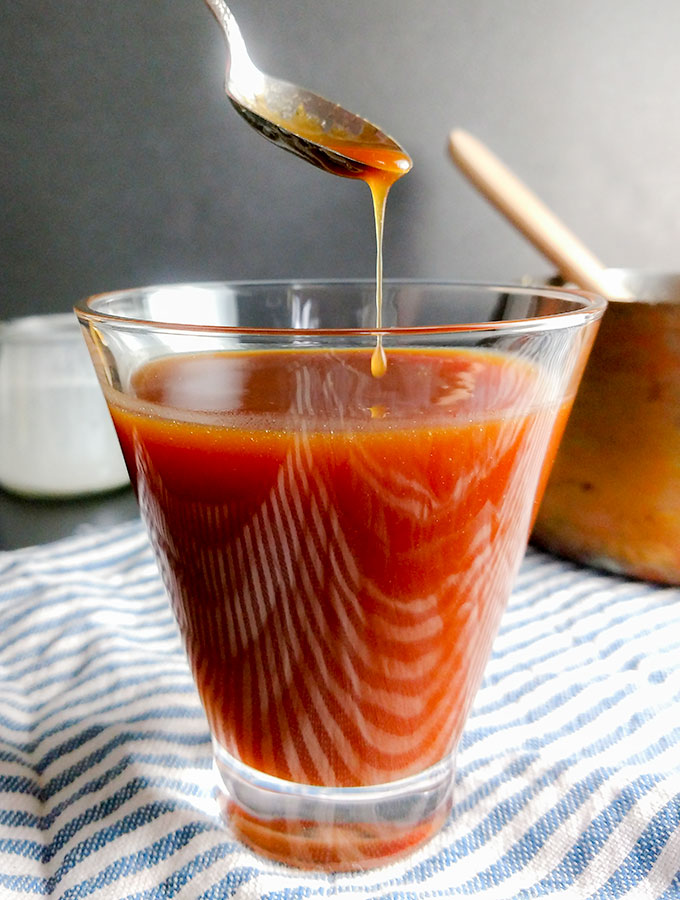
column 56, row 435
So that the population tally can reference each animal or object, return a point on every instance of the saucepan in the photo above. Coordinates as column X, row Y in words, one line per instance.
column 613, row 497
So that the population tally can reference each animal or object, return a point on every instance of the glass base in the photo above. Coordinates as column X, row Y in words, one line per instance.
column 329, row 828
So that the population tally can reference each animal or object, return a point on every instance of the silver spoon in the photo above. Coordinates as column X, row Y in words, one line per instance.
column 300, row 121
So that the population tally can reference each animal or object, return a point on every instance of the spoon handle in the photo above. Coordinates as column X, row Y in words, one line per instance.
column 527, row 213
column 239, row 64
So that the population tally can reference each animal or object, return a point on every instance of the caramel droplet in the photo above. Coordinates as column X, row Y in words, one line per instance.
column 378, row 360
column 378, row 412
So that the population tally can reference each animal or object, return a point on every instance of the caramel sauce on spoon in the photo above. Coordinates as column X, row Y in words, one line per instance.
column 372, row 161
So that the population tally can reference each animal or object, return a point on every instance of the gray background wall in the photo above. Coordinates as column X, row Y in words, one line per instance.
column 123, row 164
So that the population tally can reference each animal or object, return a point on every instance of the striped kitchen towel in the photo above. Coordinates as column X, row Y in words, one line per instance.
column 568, row 773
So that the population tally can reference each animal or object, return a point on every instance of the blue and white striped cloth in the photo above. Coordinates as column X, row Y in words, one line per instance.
column 568, row 773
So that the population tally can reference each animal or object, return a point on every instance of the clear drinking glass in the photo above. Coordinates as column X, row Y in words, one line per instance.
column 338, row 548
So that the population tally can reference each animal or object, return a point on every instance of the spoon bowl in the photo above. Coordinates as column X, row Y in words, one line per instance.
column 318, row 130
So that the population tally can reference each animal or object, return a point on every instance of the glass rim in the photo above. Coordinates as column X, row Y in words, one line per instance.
column 590, row 307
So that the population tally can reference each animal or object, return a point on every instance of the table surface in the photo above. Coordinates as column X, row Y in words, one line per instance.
column 568, row 773
column 24, row 521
